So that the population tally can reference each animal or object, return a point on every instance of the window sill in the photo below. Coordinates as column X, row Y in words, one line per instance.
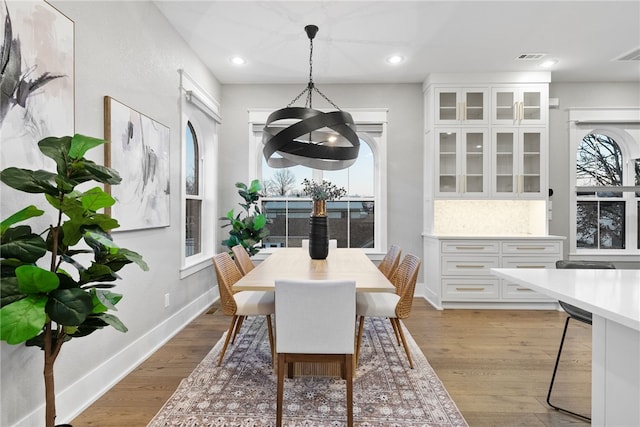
column 195, row 265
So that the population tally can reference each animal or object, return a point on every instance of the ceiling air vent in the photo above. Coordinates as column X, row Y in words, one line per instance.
column 529, row 56
column 634, row 55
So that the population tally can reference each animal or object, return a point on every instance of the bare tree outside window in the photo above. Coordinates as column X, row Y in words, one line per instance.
column 281, row 184
column 600, row 215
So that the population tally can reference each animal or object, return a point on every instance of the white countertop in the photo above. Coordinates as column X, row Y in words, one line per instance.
column 611, row 294
column 493, row 236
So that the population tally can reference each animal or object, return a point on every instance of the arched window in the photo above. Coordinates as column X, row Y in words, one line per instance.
column 357, row 220
column 199, row 139
column 606, row 198
column 193, row 196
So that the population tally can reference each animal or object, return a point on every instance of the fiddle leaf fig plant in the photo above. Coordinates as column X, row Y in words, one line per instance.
column 247, row 227
column 55, row 284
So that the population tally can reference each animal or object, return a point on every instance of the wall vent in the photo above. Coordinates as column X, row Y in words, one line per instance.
column 634, row 55
column 529, row 56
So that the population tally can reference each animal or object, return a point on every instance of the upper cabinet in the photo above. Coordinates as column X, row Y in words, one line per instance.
column 456, row 106
column 518, row 163
column 486, row 139
column 519, row 105
column 462, row 162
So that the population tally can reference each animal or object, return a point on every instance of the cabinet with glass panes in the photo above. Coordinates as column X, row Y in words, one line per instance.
column 462, row 162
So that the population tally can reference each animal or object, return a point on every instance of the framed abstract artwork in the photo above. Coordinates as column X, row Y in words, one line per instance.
column 36, row 80
column 139, row 151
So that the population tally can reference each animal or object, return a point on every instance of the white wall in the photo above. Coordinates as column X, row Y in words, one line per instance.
column 128, row 51
column 404, row 149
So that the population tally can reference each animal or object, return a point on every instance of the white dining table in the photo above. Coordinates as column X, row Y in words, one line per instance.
column 613, row 298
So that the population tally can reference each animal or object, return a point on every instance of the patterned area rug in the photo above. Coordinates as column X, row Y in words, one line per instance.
column 242, row 392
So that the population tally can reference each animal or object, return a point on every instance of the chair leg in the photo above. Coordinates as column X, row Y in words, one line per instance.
column 348, row 372
column 553, row 376
column 395, row 331
column 360, row 330
column 280, row 390
column 270, row 330
column 226, row 340
column 238, row 326
column 404, row 341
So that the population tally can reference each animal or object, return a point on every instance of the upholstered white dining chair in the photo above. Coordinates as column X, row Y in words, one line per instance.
column 240, row 304
column 394, row 306
column 315, row 323
column 242, row 259
column 333, row 244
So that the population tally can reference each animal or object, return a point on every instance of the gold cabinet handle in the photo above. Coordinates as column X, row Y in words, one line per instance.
column 470, row 289
column 530, row 266
column 468, row 266
column 530, row 248
column 523, row 290
column 470, row 247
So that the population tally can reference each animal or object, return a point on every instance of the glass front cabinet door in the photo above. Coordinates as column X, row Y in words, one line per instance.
column 519, row 105
column 456, row 106
column 462, row 165
column 518, row 168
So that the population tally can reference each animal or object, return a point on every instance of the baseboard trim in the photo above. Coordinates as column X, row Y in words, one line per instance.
column 80, row 395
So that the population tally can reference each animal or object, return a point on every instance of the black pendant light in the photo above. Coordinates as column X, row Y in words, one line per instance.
column 318, row 140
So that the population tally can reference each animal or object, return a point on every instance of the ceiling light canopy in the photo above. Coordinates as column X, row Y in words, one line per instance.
column 318, row 140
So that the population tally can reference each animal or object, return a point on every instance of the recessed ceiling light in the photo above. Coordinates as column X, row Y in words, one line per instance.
column 238, row 60
column 548, row 63
column 395, row 59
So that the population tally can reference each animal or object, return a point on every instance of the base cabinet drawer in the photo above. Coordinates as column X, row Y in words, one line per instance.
column 515, row 291
column 529, row 262
column 469, row 266
column 536, row 247
column 470, row 289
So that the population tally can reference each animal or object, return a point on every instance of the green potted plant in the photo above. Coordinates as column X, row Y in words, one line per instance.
column 55, row 283
column 249, row 226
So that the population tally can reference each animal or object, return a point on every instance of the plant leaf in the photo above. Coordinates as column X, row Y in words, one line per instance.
column 22, row 215
column 58, row 150
column 22, row 319
column 69, row 307
column 80, row 144
column 35, row 280
column 29, row 181
column 95, row 199
column 104, row 300
column 20, row 243
column 113, row 321
column 9, row 291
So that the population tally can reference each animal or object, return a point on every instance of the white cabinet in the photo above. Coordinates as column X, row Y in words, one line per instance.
column 519, row 168
column 461, row 106
column 519, row 105
column 462, row 164
column 458, row 270
column 459, row 117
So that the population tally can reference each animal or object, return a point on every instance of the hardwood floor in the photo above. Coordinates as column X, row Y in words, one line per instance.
column 496, row 365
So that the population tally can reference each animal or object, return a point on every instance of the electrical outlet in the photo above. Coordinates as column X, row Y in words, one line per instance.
column 166, row 300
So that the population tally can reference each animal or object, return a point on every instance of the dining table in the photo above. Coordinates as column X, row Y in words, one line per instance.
column 613, row 298
column 296, row 264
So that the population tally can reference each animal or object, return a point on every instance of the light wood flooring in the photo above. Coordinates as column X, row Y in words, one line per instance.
column 496, row 365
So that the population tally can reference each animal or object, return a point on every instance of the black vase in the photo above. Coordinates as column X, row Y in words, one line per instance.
column 318, row 237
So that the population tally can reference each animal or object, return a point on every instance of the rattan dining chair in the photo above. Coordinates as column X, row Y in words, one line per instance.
column 241, row 257
column 315, row 323
column 394, row 306
column 575, row 313
column 390, row 262
column 240, row 304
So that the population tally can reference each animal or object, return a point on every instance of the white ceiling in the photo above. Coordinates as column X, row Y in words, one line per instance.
column 355, row 37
